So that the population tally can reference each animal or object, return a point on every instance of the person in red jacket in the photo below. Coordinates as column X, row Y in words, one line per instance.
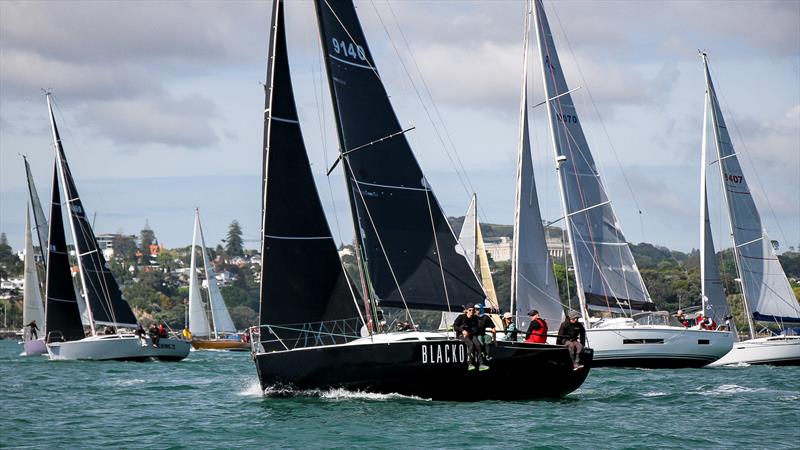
column 537, row 330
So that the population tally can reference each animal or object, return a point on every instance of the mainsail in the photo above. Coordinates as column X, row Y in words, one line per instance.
column 408, row 246
column 219, row 313
column 104, row 298
column 198, row 322
column 39, row 219
column 533, row 284
column 302, row 278
column 605, row 270
column 62, row 316
column 33, row 308
column 766, row 289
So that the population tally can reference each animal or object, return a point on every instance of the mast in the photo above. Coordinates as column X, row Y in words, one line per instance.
column 703, row 205
column 538, row 13
column 370, row 309
column 751, row 328
column 523, row 109
column 60, row 168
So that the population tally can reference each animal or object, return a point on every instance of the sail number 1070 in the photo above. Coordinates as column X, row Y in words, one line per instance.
column 348, row 49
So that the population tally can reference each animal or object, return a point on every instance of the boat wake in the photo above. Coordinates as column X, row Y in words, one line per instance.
column 254, row 389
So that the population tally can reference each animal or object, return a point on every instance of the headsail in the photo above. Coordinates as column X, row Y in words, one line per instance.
column 219, row 312
column 33, row 308
column 605, row 270
column 198, row 321
column 39, row 219
column 63, row 318
column 765, row 287
column 715, row 302
column 409, row 248
column 468, row 234
column 533, row 284
column 104, row 298
column 302, row 278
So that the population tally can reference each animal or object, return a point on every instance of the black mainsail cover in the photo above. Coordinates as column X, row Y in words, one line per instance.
column 62, row 314
column 408, row 245
column 101, row 290
column 302, row 279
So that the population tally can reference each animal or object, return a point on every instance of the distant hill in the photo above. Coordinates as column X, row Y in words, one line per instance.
column 489, row 230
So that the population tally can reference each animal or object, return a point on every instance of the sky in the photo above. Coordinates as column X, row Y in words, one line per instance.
column 160, row 107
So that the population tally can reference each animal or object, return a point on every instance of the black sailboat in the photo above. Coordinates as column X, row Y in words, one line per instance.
column 310, row 315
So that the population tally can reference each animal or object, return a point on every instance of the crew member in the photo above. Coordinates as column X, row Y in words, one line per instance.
column 466, row 328
column 537, row 330
column 572, row 334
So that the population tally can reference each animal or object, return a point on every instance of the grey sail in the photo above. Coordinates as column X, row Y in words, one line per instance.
column 765, row 287
column 605, row 269
column 467, row 237
column 713, row 291
column 219, row 312
column 198, row 321
column 39, row 219
column 533, row 284
column 33, row 308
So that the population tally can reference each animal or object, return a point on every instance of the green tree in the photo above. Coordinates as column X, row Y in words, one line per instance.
column 10, row 265
column 234, row 246
column 124, row 247
column 148, row 237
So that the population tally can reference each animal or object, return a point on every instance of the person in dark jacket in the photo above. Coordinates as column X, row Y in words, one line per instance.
column 466, row 328
column 572, row 334
column 485, row 322
column 34, row 330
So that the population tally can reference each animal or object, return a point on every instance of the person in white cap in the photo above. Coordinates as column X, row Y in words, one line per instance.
column 510, row 327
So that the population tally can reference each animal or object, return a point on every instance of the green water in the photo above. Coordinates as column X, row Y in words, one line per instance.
column 212, row 400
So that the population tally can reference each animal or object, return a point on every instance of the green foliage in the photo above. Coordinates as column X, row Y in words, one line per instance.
column 790, row 260
column 148, row 237
column 10, row 264
column 244, row 317
column 234, row 246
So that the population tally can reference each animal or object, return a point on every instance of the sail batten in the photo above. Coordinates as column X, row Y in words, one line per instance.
column 766, row 290
column 606, row 272
column 410, row 250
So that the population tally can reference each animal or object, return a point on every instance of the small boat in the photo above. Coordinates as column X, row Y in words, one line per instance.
column 767, row 295
column 318, row 331
column 219, row 333
column 627, row 330
column 105, row 306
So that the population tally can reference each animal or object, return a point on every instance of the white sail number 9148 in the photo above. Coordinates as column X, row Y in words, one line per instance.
column 348, row 49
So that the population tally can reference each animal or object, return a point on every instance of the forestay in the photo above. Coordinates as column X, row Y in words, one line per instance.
column 302, row 278
column 104, row 298
column 605, row 267
column 764, row 284
column 409, row 248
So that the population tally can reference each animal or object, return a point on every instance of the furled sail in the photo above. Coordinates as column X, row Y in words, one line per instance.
column 104, row 298
column 533, row 284
column 409, row 248
column 605, row 268
column 39, row 219
column 302, row 278
column 62, row 316
column 764, row 284
column 219, row 313
column 198, row 321
column 33, row 308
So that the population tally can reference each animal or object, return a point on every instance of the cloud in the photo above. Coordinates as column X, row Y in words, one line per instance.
column 181, row 122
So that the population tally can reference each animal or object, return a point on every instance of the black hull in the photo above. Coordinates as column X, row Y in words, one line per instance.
column 427, row 369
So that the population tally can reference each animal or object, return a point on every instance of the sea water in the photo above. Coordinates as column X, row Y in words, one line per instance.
column 213, row 400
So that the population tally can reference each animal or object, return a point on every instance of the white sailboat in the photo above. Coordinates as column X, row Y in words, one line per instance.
column 628, row 331
column 104, row 302
column 33, row 308
column 767, row 295
column 219, row 333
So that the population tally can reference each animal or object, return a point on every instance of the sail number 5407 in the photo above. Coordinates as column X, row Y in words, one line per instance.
column 348, row 49
column 734, row 178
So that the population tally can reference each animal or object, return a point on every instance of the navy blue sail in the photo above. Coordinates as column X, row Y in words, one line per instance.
column 303, row 281
column 62, row 315
column 408, row 246
column 102, row 293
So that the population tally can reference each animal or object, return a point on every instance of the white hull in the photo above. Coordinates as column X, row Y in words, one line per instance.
column 657, row 346
column 776, row 350
column 34, row 347
column 122, row 347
